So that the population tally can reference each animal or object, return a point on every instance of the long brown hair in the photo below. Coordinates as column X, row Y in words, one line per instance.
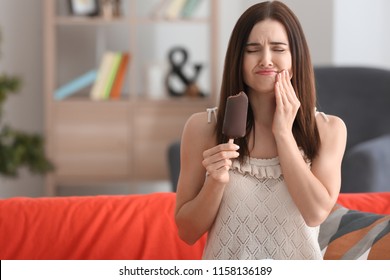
column 305, row 130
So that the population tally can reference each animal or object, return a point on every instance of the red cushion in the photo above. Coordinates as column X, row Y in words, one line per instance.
column 101, row 227
column 367, row 202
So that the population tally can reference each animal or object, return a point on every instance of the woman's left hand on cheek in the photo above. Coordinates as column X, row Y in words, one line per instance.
column 287, row 103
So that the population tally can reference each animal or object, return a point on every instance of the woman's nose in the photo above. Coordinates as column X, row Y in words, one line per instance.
column 265, row 58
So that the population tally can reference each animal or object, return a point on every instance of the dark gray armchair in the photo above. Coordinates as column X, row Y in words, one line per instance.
column 361, row 97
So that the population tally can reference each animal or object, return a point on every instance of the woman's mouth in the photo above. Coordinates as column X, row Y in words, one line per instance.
column 266, row 72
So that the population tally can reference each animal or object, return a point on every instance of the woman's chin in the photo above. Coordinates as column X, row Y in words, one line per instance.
column 265, row 90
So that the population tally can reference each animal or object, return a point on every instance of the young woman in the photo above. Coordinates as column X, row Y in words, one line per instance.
column 266, row 195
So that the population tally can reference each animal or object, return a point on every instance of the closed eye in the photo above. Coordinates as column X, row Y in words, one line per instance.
column 279, row 46
column 252, row 47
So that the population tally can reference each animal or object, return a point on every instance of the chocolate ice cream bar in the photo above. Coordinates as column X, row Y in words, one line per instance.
column 234, row 123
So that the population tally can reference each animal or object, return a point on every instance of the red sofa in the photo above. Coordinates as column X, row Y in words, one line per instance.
column 130, row 227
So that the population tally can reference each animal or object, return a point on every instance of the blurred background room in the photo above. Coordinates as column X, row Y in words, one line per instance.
column 117, row 143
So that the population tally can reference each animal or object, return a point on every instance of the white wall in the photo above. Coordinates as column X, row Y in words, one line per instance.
column 362, row 33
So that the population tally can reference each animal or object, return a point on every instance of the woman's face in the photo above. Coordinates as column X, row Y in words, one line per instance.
column 267, row 53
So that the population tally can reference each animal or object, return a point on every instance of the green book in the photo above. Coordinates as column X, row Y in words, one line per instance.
column 102, row 77
column 112, row 74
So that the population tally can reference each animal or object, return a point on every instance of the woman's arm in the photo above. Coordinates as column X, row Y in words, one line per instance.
column 314, row 190
column 199, row 196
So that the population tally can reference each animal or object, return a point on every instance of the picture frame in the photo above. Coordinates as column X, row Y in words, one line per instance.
column 84, row 7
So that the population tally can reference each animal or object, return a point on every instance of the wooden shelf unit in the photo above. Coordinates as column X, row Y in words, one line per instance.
column 122, row 140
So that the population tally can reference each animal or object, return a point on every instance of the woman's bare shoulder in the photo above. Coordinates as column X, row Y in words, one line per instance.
column 199, row 124
column 332, row 129
column 330, row 123
column 198, row 132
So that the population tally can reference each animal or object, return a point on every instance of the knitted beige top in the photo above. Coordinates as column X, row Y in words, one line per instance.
column 258, row 219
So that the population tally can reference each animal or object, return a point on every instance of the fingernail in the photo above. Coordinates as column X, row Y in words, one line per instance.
column 237, row 147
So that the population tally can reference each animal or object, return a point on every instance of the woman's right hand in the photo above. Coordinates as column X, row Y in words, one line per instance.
column 217, row 161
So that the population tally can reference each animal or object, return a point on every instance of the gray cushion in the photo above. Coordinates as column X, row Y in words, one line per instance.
column 366, row 166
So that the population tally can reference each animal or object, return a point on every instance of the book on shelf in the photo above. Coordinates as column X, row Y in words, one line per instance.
column 75, row 85
column 189, row 8
column 97, row 92
column 174, row 9
column 110, row 77
column 120, row 77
